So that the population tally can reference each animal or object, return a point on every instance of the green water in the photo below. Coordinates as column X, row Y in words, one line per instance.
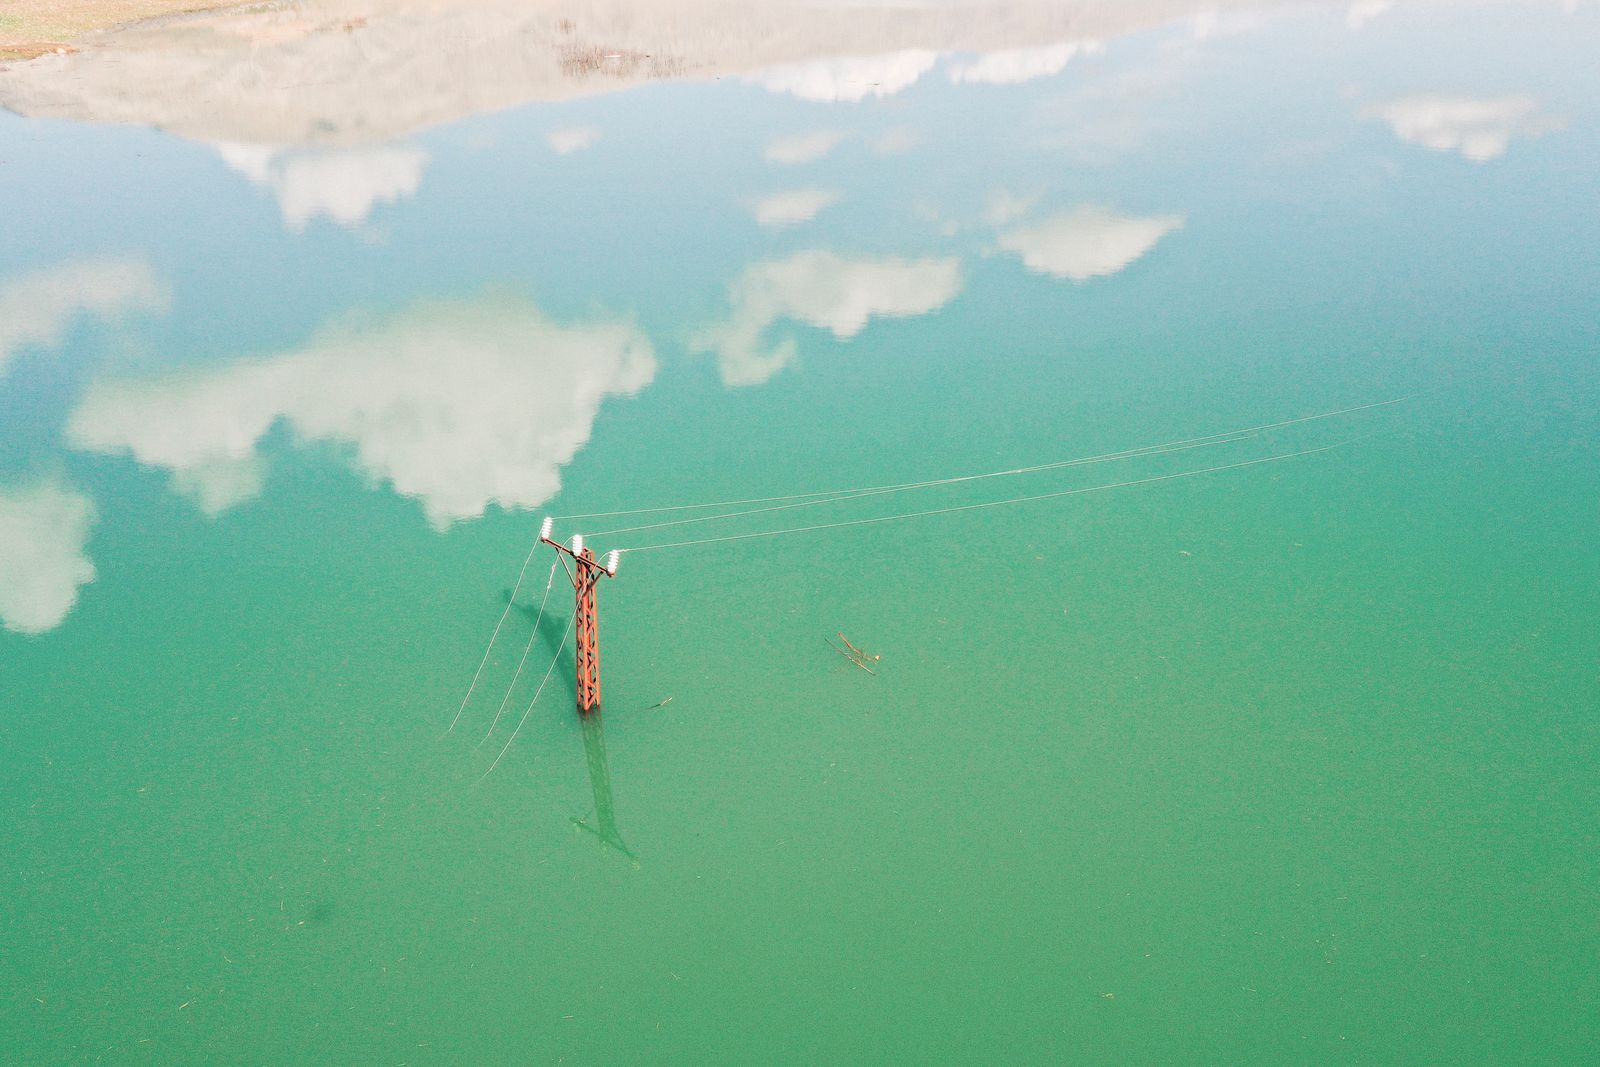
column 1290, row 763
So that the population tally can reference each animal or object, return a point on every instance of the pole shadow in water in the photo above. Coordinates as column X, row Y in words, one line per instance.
column 552, row 630
column 605, row 814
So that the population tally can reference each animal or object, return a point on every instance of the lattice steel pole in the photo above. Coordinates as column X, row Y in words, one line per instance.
column 588, row 632
column 586, row 617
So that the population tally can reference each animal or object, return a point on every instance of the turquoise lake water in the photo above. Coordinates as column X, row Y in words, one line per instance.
column 1293, row 762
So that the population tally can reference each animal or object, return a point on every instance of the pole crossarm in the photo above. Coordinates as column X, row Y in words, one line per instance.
column 568, row 553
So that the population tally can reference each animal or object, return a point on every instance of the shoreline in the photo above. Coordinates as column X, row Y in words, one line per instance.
column 33, row 28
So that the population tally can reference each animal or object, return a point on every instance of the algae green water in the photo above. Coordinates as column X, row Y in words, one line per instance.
column 1288, row 763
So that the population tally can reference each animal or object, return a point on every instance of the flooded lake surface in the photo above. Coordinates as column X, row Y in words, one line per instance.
column 1265, row 747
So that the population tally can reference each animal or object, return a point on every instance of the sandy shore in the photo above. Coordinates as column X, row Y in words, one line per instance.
column 32, row 28
column 357, row 73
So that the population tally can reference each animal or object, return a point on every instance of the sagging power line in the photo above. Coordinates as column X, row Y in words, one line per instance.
column 585, row 571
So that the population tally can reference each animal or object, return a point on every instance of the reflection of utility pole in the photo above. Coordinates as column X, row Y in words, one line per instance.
column 587, row 618
column 605, row 816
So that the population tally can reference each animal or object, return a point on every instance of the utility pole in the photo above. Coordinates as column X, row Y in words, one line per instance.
column 585, row 574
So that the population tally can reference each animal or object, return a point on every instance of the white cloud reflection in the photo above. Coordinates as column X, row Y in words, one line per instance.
column 825, row 290
column 459, row 405
column 1005, row 206
column 802, row 147
column 43, row 530
column 37, row 307
column 342, row 184
column 1216, row 22
column 566, row 142
column 850, row 79
column 793, row 207
column 1362, row 12
column 1478, row 127
column 1016, row 65
column 1087, row 241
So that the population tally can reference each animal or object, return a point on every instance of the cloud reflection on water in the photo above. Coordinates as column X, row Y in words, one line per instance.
column 825, row 290
column 566, row 141
column 802, row 147
column 424, row 397
column 1015, row 65
column 1480, row 128
column 1362, row 12
column 792, row 207
column 44, row 527
column 37, row 308
column 1087, row 241
column 345, row 184
column 458, row 404
column 848, row 79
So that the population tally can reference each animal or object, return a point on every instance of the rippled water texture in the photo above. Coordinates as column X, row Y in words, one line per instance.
column 1275, row 747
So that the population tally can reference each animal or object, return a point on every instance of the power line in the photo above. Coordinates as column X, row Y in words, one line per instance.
column 534, row 636
column 529, row 709
column 509, row 602
column 863, row 490
column 992, row 503
column 1137, row 453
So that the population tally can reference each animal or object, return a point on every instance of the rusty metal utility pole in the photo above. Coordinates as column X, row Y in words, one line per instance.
column 587, row 625
column 586, row 620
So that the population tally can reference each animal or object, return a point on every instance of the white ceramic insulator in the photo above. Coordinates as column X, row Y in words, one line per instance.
column 577, row 544
column 545, row 527
column 612, row 559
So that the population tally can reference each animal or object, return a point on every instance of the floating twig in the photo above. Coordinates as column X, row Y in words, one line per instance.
column 853, row 656
column 856, row 652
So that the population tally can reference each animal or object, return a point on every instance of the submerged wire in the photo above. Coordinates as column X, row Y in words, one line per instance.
column 503, row 616
column 526, row 649
column 529, row 709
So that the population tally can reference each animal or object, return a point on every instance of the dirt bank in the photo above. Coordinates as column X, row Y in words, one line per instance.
column 31, row 28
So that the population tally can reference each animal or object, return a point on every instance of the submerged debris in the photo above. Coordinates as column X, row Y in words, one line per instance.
column 853, row 654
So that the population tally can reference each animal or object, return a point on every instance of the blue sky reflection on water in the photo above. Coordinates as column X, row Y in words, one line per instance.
column 175, row 301
column 278, row 417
